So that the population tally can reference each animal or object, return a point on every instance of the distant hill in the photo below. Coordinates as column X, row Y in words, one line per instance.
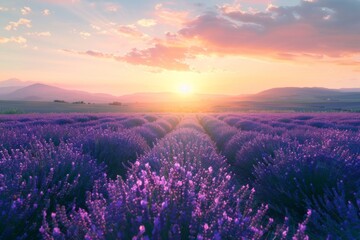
column 349, row 89
column 42, row 92
column 304, row 95
column 17, row 90
column 7, row 90
column 14, row 82
column 11, row 85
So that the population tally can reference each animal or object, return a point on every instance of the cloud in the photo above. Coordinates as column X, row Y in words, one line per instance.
column 106, row 6
column 170, row 17
column 95, row 27
column 91, row 53
column 160, row 57
column 3, row 9
column 114, row 29
column 40, row 34
column 129, row 31
column 25, row 10
column 46, row 12
column 349, row 62
column 146, row 22
column 317, row 30
column 98, row 54
column 18, row 40
column 61, row 1
column 85, row 35
column 322, row 27
column 254, row 1
column 21, row 22
column 109, row 7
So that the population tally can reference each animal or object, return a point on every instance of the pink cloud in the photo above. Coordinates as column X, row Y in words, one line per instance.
column 40, row 34
column 46, row 12
column 91, row 53
column 61, row 1
column 130, row 31
column 311, row 28
column 170, row 17
column 159, row 56
column 109, row 7
column 319, row 30
column 255, row 1
column 25, row 10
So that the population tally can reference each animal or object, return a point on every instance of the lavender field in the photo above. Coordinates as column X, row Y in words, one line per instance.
column 180, row 176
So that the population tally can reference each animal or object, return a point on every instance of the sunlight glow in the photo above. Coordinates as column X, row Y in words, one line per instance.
column 185, row 89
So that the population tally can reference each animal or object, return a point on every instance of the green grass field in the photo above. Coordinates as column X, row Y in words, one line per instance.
column 18, row 107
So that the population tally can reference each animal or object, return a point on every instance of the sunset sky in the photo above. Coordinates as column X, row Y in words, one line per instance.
column 213, row 46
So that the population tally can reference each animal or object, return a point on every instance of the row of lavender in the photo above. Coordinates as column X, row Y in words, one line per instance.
column 295, row 166
column 181, row 189
column 19, row 130
column 45, row 163
column 292, row 121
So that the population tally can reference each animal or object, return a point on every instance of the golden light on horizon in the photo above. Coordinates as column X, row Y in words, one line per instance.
column 185, row 89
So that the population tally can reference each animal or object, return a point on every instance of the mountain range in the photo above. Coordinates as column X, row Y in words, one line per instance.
column 17, row 90
column 306, row 94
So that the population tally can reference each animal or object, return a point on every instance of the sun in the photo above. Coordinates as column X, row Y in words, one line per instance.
column 185, row 89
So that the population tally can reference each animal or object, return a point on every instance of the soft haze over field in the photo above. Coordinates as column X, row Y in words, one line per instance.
column 212, row 46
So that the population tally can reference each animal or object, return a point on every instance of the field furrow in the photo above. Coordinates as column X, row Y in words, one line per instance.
column 168, row 176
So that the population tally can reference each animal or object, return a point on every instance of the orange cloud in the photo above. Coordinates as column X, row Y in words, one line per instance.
column 313, row 30
column 18, row 40
column 159, row 56
column 307, row 29
column 21, row 22
column 129, row 31
column 40, row 34
column 91, row 53
column 170, row 17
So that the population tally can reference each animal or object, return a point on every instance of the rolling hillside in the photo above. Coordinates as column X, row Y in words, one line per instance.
column 17, row 90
